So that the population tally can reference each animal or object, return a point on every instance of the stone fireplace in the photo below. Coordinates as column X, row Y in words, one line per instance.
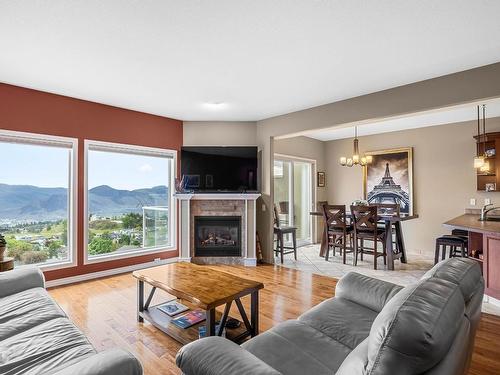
column 217, row 228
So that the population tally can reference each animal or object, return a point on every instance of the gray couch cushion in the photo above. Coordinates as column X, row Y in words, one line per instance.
column 293, row 347
column 356, row 361
column 342, row 320
column 416, row 328
column 24, row 310
column 462, row 271
column 366, row 291
column 45, row 348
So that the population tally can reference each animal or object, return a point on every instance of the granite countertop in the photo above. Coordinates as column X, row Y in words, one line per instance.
column 470, row 222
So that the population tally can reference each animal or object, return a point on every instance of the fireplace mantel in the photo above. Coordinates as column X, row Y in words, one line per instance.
column 217, row 196
column 217, row 204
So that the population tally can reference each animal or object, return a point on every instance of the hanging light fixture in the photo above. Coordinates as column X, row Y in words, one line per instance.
column 485, row 167
column 479, row 158
column 356, row 159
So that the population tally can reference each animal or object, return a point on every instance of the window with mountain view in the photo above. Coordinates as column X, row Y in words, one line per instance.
column 36, row 198
column 128, row 200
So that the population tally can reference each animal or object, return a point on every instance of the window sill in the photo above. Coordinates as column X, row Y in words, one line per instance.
column 51, row 266
column 132, row 254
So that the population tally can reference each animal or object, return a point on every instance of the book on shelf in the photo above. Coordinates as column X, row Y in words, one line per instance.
column 190, row 318
column 202, row 331
column 172, row 308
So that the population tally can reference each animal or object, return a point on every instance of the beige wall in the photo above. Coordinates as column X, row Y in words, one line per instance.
column 443, row 176
column 220, row 133
column 454, row 89
column 308, row 148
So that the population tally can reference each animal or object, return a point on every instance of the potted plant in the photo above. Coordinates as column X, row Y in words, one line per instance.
column 3, row 246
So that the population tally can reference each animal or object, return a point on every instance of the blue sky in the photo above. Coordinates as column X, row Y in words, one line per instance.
column 122, row 171
column 48, row 167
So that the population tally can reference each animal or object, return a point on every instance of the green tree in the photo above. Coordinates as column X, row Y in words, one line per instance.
column 124, row 239
column 16, row 248
column 132, row 220
column 54, row 248
column 101, row 245
column 64, row 234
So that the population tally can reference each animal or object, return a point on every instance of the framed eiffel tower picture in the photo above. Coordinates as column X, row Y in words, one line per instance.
column 389, row 178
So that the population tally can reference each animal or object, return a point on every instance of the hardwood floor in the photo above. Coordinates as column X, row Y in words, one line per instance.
column 104, row 309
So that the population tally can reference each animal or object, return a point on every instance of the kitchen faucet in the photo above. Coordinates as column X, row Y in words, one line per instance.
column 485, row 210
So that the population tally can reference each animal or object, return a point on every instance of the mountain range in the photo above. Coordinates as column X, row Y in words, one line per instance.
column 26, row 202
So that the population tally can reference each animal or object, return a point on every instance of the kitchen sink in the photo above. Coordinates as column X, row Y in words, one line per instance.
column 491, row 218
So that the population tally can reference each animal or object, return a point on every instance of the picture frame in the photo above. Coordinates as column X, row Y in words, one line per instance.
column 389, row 178
column 321, row 179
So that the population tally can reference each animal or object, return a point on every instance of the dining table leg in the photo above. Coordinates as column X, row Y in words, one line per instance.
column 400, row 241
column 388, row 245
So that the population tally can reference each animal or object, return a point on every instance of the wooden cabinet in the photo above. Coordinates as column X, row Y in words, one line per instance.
column 489, row 144
column 491, row 264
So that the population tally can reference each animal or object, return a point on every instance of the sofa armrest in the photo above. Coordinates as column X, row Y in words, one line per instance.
column 20, row 279
column 216, row 355
column 366, row 291
column 110, row 362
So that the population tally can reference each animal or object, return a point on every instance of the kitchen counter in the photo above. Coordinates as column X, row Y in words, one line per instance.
column 470, row 222
column 484, row 243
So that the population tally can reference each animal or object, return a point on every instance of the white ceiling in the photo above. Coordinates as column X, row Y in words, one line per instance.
column 260, row 58
column 418, row 120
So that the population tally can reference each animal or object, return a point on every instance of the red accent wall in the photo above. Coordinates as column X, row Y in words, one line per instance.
column 43, row 113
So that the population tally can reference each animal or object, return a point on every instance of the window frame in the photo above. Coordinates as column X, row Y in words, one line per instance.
column 129, row 149
column 71, row 144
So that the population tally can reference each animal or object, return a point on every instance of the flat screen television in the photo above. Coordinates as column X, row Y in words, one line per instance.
column 219, row 169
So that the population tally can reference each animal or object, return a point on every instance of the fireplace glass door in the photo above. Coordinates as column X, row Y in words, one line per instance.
column 217, row 236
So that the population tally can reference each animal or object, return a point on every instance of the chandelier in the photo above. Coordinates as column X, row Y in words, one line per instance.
column 355, row 159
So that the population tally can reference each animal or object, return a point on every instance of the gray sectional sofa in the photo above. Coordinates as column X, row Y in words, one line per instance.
column 370, row 327
column 37, row 338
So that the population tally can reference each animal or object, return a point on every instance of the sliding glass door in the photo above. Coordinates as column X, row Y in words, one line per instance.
column 293, row 195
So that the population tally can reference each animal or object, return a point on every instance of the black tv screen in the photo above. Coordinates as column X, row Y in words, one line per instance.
column 219, row 169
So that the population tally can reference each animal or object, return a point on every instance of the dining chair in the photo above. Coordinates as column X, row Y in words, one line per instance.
column 337, row 230
column 280, row 231
column 389, row 209
column 365, row 219
column 284, row 210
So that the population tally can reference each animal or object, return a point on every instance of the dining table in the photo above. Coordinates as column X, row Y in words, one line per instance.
column 392, row 224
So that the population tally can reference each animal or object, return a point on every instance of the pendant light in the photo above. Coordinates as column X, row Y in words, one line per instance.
column 356, row 159
column 479, row 158
column 485, row 168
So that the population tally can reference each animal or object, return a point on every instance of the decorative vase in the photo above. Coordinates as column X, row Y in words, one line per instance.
column 2, row 251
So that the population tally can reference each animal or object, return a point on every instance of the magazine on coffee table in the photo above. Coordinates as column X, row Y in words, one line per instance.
column 202, row 331
column 172, row 308
column 190, row 318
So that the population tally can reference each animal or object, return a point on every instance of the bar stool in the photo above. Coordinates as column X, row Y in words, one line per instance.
column 457, row 244
column 280, row 232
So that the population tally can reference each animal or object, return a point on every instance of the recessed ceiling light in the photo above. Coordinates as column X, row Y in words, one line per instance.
column 215, row 105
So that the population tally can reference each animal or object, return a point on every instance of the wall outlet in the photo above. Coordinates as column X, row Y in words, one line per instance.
column 157, row 260
column 487, row 201
column 472, row 201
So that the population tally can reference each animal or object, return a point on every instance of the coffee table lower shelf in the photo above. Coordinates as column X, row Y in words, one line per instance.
column 186, row 335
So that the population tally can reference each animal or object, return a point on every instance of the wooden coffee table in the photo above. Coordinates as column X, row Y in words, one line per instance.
column 198, row 287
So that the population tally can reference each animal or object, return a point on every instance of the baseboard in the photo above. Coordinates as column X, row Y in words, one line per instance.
column 188, row 259
column 493, row 301
column 111, row 272
column 250, row 262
